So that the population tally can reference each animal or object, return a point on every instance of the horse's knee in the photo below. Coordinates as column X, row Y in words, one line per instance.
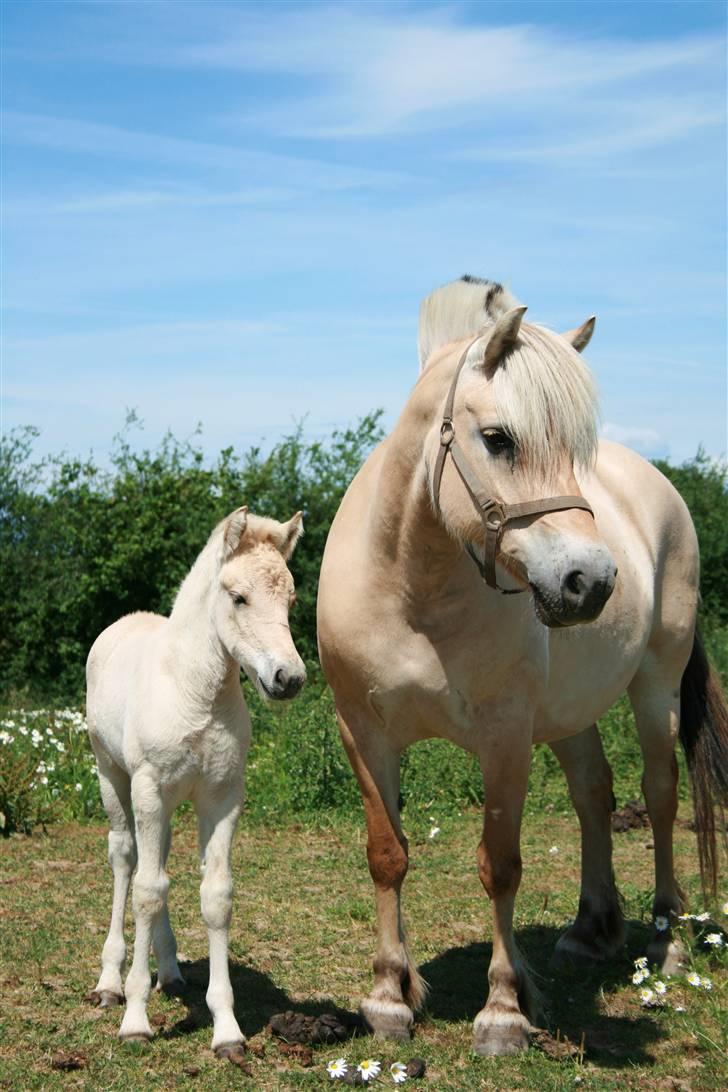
column 122, row 850
column 500, row 874
column 216, row 900
column 150, row 895
column 388, row 860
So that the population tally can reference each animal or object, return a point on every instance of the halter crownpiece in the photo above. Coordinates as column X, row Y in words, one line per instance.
column 494, row 513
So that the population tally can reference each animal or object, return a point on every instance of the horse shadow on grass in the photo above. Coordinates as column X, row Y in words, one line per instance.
column 256, row 1000
column 575, row 999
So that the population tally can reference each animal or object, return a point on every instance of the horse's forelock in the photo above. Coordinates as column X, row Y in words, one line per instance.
column 547, row 400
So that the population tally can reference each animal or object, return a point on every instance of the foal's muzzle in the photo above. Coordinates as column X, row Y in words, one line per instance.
column 580, row 598
column 284, row 684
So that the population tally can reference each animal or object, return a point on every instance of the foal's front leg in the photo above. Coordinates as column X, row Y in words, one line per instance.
column 502, row 1027
column 218, row 818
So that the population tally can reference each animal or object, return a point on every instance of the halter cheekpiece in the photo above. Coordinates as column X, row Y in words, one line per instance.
column 494, row 513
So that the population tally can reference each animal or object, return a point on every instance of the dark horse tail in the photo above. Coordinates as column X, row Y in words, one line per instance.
column 704, row 737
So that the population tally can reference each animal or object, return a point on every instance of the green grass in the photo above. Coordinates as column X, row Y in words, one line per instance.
column 303, row 938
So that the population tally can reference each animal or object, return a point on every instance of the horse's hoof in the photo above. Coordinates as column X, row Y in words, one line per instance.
column 232, row 1052
column 105, row 999
column 175, row 988
column 387, row 1019
column 569, row 951
column 139, row 1038
column 667, row 954
column 501, row 1039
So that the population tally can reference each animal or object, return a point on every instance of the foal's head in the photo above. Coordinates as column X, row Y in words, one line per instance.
column 253, row 595
column 524, row 414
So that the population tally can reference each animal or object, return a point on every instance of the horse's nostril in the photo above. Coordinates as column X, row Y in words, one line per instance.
column 280, row 679
column 574, row 582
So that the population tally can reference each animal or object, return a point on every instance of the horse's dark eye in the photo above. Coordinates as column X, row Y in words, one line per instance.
column 240, row 600
column 498, row 442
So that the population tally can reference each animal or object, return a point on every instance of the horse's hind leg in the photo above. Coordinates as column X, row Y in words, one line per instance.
column 598, row 931
column 164, row 945
column 398, row 988
column 116, row 795
column 655, row 697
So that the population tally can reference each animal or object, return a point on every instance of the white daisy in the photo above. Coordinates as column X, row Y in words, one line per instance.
column 724, row 908
column 369, row 1069
column 693, row 978
column 646, row 996
column 399, row 1072
column 434, row 831
column 554, row 850
column 705, row 916
column 706, row 984
column 659, row 987
column 661, row 923
column 639, row 976
column 715, row 939
column 337, row 1068
column 641, row 962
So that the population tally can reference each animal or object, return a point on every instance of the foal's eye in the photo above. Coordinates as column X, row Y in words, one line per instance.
column 498, row 442
column 240, row 600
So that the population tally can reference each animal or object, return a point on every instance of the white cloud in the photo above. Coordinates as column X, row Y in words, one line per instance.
column 644, row 440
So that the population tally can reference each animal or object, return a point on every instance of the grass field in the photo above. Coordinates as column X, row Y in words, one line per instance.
column 303, row 938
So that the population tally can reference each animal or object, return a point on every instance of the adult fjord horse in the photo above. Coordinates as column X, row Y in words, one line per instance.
column 487, row 473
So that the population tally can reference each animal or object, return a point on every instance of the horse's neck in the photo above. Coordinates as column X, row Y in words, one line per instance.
column 408, row 534
column 200, row 660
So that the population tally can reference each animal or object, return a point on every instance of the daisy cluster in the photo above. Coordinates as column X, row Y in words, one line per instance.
column 369, row 1070
column 46, row 763
column 652, row 991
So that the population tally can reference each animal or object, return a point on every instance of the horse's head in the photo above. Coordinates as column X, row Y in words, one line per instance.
column 253, row 595
column 523, row 412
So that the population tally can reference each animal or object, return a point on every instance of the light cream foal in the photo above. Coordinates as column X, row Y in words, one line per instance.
column 415, row 644
column 168, row 722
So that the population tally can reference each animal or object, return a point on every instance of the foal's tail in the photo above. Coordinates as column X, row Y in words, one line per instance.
column 704, row 736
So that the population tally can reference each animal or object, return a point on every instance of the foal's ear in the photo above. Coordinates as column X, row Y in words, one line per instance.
column 292, row 531
column 234, row 530
column 581, row 337
column 487, row 352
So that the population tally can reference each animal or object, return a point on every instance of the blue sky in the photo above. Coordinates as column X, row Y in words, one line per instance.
column 228, row 213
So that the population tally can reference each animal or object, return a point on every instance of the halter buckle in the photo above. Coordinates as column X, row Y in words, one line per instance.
column 447, row 432
column 494, row 516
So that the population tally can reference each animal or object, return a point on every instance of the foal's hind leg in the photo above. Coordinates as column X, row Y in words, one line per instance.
column 116, row 795
column 398, row 987
column 151, row 816
column 164, row 945
column 598, row 931
column 655, row 698
column 218, row 817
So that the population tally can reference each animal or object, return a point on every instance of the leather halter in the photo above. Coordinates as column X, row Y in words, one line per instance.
column 494, row 513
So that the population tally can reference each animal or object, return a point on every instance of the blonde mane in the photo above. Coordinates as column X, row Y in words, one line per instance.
column 545, row 394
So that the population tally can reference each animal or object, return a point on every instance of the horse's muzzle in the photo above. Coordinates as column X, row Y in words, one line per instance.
column 284, row 685
column 579, row 600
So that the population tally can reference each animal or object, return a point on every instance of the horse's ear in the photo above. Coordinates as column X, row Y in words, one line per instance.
column 581, row 337
column 234, row 530
column 292, row 531
column 488, row 351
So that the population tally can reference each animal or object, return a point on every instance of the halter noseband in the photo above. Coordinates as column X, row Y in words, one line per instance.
column 494, row 513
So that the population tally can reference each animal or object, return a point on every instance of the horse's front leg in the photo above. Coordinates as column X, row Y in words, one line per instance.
column 398, row 988
column 502, row 1027
column 218, row 817
column 598, row 931
column 151, row 816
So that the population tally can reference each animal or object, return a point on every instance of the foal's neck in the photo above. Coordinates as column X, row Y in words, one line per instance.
column 206, row 670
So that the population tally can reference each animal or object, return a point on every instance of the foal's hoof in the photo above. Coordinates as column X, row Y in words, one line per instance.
column 105, row 999
column 175, row 988
column 388, row 1019
column 139, row 1038
column 500, row 1040
column 233, row 1053
column 570, row 950
column 668, row 954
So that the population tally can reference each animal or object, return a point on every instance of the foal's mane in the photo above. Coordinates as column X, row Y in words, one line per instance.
column 545, row 394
